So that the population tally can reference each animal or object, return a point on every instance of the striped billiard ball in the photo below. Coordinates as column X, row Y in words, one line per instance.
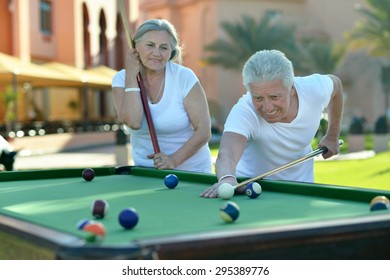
column 253, row 190
column 99, row 208
column 379, row 203
column 229, row 211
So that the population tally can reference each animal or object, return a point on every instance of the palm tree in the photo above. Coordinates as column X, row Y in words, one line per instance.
column 318, row 56
column 247, row 37
column 373, row 32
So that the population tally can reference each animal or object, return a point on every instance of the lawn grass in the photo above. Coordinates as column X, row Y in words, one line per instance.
column 372, row 173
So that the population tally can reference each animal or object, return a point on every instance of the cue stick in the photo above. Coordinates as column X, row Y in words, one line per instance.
column 314, row 153
column 144, row 99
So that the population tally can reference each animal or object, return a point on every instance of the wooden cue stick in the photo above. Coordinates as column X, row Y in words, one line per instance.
column 145, row 105
column 314, row 153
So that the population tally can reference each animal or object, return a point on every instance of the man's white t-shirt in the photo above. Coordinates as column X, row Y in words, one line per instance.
column 171, row 122
column 271, row 145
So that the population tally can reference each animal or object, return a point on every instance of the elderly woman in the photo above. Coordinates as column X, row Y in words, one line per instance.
column 176, row 99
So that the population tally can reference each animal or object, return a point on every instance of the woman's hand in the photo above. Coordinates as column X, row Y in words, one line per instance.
column 132, row 64
column 162, row 161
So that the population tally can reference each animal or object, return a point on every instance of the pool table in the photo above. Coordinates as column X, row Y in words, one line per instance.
column 39, row 211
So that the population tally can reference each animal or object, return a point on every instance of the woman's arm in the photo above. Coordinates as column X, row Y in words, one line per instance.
column 128, row 105
column 195, row 103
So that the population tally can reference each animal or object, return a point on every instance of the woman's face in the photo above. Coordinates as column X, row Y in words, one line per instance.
column 154, row 49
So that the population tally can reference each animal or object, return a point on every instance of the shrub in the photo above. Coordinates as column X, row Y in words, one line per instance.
column 381, row 125
column 357, row 126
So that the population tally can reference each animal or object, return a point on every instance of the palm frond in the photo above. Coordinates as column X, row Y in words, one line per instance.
column 247, row 37
column 373, row 31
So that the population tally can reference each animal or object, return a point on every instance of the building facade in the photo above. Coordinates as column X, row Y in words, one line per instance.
column 88, row 33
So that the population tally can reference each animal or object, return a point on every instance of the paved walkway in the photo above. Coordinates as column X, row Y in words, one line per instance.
column 109, row 155
column 95, row 157
column 90, row 150
column 67, row 150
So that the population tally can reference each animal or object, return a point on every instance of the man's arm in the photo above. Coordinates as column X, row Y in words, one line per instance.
column 231, row 148
column 335, row 113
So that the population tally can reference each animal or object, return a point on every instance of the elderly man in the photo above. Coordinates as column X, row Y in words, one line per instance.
column 276, row 121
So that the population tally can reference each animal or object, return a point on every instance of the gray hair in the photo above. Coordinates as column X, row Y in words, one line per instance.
column 268, row 65
column 161, row 25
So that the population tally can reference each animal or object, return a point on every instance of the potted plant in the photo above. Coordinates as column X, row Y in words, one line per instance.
column 356, row 137
column 381, row 135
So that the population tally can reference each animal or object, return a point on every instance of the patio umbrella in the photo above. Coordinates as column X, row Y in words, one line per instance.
column 87, row 77
column 16, row 71
column 104, row 70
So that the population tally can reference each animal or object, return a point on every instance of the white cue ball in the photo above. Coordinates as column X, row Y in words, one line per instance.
column 225, row 191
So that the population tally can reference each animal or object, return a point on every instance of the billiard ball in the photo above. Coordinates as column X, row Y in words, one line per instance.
column 225, row 191
column 171, row 181
column 229, row 211
column 82, row 223
column 96, row 228
column 88, row 174
column 97, row 231
column 99, row 208
column 253, row 190
column 380, row 198
column 379, row 203
column 128, row 218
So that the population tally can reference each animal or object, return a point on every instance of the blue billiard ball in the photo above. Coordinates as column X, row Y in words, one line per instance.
column 171, row 181
column 83, row 222
column 253, row 190
column 128, row 218
column 229, row 211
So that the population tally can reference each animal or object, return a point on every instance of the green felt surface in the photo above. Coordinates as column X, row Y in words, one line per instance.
column 60, row 203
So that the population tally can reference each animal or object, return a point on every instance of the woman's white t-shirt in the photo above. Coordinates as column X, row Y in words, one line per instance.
column 171, row 122
column 271, row 145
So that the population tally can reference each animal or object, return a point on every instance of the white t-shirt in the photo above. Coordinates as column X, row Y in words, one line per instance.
column 271, row 145
column 171, row 122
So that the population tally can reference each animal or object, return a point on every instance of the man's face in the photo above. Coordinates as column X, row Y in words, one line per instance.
column 272, row 100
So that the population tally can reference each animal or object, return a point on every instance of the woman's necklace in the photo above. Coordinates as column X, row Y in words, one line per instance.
column 158, row 94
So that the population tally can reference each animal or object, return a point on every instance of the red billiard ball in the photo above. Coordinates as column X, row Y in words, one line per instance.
column 171, row 181
column 99, row 208
column 88, row 174
column 128, row 218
